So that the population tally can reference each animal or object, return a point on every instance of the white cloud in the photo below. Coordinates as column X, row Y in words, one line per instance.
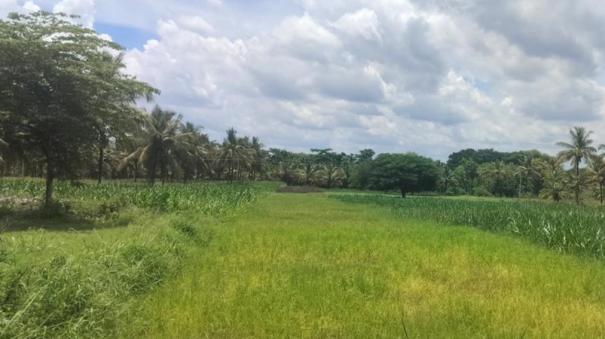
column 196, row 24
column 30, row 6
column 363, row 23
column 430, row 76
column 83, row 8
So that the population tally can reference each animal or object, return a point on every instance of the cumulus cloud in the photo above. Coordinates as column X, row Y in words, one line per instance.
column 83, row 8
column 430, row 76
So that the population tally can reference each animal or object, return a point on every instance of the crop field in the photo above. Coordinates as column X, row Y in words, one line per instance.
column 563, row 227
column 239, row 260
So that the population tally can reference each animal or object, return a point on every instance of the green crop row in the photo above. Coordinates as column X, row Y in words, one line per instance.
column 566, row 228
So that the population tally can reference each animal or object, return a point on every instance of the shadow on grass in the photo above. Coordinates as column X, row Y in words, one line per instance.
column 54, row 218
column 299, row 189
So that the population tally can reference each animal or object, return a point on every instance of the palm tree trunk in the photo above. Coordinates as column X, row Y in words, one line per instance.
column 577, row 188
column 50, row 177
column 100, row 165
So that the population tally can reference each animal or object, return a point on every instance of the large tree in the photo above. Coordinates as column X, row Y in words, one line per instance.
column 62, row 87
column 406, row 173
column 576, row 151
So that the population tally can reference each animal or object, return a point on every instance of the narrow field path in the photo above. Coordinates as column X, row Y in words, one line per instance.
column 312, row 266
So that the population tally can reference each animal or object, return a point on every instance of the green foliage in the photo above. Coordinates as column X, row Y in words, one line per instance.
column 67, row 95
column 403, row 172
column 565, row 228
column 110, row 197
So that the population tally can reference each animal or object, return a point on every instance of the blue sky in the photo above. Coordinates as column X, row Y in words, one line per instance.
column 128, row 37
column 430, row 76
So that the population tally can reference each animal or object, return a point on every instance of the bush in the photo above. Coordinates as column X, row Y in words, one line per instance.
column 481, row 191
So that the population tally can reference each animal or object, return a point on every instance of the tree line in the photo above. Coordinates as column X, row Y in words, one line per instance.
column 576, row 172
column 68, row 111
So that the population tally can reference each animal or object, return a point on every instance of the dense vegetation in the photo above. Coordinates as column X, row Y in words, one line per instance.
column 565, row 228
column 79, row 284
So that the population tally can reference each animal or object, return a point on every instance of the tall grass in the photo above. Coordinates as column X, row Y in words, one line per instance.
column 205, row 198
column 80, row 283
column 565, row 228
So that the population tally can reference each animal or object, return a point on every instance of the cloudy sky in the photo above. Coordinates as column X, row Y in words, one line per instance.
column 430, row 76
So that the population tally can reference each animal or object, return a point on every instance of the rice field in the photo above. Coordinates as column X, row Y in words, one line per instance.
column 237, row 260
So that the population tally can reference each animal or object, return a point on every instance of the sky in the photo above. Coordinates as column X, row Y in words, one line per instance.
column 426, row 76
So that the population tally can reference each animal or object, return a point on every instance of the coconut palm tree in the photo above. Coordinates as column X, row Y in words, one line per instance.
column 234, row 154
column 193, row 153
column 162, row 140
column 554, row 176
column 497, row 174
column 579, row 149
column 524, row 171
column 257, row 158
column 596, row 170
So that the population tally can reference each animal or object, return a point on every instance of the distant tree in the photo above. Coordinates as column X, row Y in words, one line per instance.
column 348, row 163
column 257, row 158
column 554, row 177
column 498, row 177
column 365, row 155
column 310, row 166
column 466, row 175
column 234, row 154
column 284, row 165
column 596, row 170
column 331, row 163
column 60, row 85
column 406, row 173
column 447, row 178
column 162, row 141
column 577, row 150
column 524, row 171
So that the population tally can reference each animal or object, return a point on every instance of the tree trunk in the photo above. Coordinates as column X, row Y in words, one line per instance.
column 577, row 188
column 100, row 164
column 403, row 193
column 50, row 177
column 152, row 172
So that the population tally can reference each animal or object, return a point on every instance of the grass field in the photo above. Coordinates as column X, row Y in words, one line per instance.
column 315, row 266
column 233, row 260
column 74, row 270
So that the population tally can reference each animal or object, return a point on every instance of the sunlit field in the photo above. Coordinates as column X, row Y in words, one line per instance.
column 236, row 260
column 71, row 270
column 315, row 266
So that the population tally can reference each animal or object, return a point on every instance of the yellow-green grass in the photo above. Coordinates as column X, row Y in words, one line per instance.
column 312, row 266
column 77, row 276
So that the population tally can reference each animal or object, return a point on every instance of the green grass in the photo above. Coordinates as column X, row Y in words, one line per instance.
column 315, row 266
column 74, row 272
column 562, row 227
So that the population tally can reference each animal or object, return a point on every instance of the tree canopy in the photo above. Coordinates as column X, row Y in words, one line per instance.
column 406, row 173
column 62, row 90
